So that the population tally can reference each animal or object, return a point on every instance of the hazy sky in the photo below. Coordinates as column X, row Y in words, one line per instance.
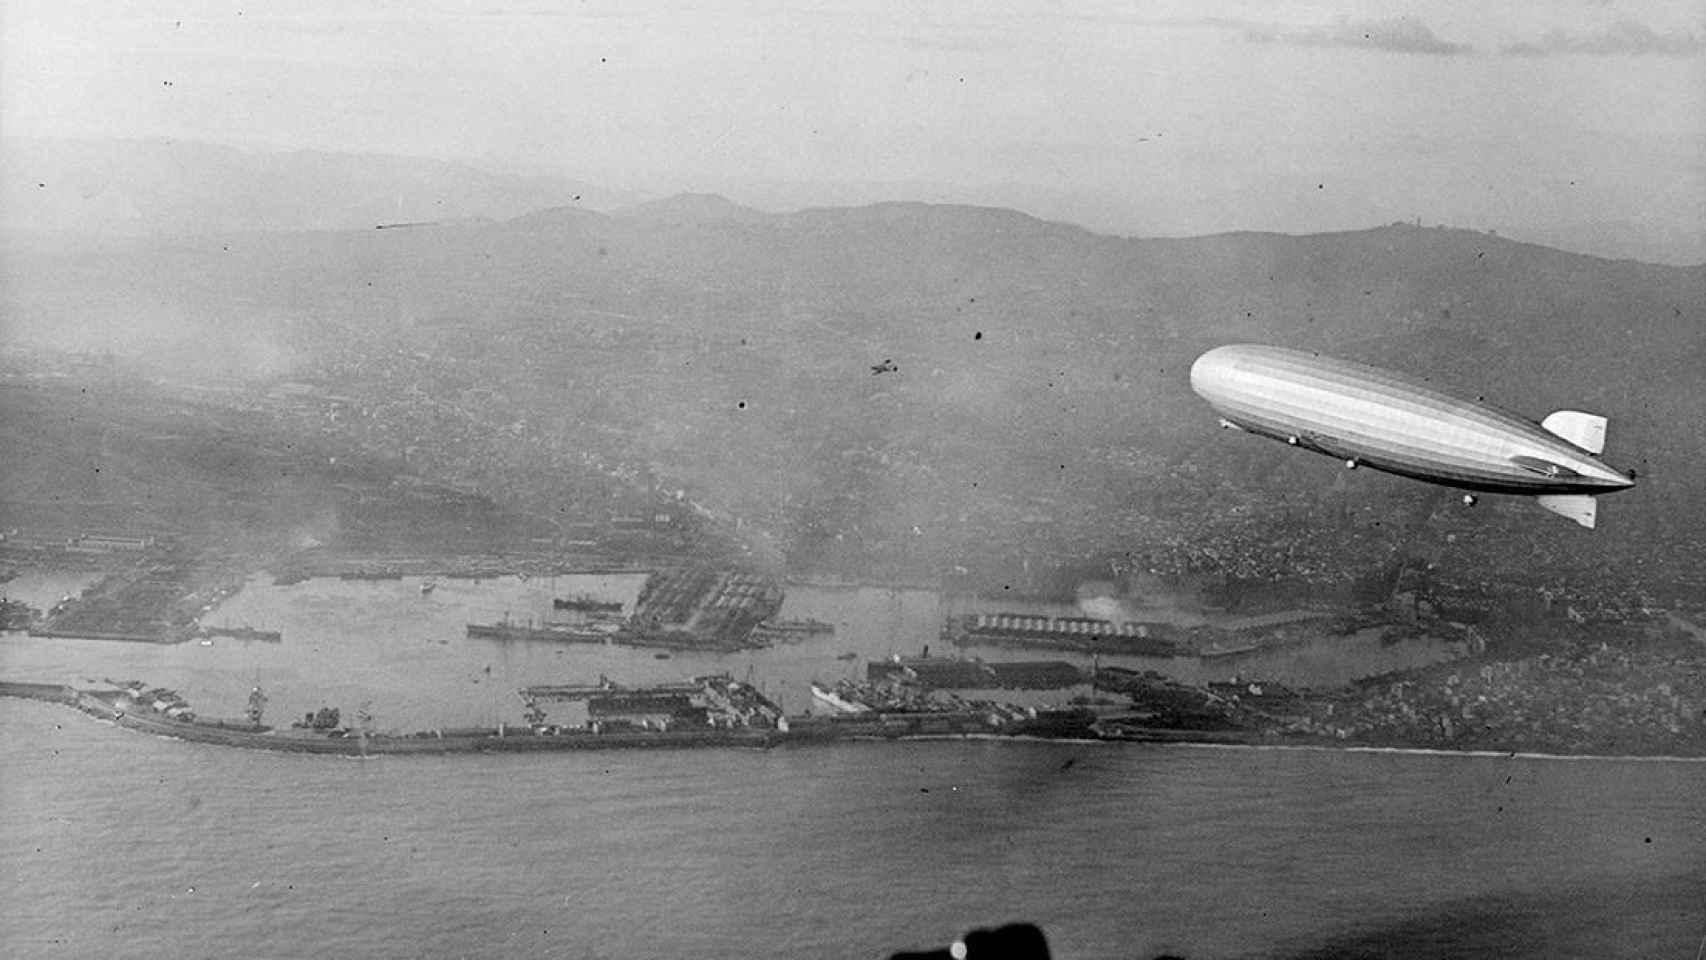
column 1207, row 115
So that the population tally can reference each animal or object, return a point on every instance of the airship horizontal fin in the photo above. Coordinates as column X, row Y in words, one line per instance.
column 1578, row 507
column 1585, row 430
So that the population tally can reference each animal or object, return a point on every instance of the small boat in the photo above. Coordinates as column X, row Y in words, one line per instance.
column 428, row 587
column 660, row 656
column 849, row 655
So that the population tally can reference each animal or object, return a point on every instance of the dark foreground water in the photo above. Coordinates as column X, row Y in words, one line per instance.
column 117, row 844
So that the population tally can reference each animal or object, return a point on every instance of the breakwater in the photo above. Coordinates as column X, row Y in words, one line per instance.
column 106, row 706
column 111, row 706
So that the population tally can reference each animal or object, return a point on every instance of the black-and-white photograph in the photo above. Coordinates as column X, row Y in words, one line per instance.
column 623, row 480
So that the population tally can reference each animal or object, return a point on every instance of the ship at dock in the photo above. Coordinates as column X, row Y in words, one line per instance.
column 549, row 631
column 586, row 604
column 240, row 633
column 898, row 706
column 792, row 630
column 134, row 704
column 841, row 698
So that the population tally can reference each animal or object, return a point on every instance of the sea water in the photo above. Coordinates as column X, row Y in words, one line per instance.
column 117, row 844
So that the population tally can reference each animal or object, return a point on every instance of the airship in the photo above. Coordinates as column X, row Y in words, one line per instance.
column 1368, row 417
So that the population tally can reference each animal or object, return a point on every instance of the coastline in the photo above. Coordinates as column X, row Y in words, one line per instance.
column 799, row 731
column 1439, row 752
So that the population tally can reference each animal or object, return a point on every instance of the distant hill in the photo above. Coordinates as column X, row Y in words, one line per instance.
column 1165, row 206
column 690, row 208
column 1622, row 239
column 175, row 187
column 926, row 383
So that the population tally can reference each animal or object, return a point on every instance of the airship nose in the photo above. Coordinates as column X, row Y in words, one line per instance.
column 1212, row 372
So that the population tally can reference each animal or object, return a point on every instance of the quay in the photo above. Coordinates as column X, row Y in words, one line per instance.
column 109, row 706
column 163, row 637
column 737, row 720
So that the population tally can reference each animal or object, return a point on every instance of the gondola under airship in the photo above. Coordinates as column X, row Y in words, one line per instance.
column 1370, row 417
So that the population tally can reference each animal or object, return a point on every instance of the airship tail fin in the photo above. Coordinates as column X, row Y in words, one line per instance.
column 1575, row 506
column 1585, row 430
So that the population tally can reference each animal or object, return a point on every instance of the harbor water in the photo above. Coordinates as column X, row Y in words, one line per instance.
column 401, row 652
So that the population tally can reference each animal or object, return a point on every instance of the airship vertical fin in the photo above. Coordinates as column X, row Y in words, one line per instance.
column 1585, row 430
column 1578, row 507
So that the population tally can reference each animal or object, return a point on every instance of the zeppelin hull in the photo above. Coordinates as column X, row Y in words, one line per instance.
column 1367, row 416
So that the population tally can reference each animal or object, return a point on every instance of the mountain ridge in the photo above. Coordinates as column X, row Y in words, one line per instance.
column 165, row 187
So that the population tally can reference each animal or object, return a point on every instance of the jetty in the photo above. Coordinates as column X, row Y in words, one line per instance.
column 712, row 711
